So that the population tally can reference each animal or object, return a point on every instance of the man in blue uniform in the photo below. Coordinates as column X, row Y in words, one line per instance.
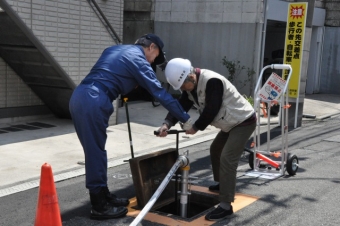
column 118, row 71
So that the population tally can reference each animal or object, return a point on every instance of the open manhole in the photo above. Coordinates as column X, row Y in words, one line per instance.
column 148, row 172
column 198, row 204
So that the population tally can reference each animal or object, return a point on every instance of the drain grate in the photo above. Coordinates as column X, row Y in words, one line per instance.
column 11, row 129
column 26, row 127
column 40, row 124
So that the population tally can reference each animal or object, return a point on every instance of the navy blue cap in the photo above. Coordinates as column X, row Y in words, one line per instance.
column 154, row 39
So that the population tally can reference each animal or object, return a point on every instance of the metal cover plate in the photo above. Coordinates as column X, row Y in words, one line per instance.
column 148, row 172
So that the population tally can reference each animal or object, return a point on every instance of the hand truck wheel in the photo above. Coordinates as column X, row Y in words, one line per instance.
column 292, row 165
column 251, row 160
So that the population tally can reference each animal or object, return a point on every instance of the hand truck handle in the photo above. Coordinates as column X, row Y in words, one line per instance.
column 281, row 66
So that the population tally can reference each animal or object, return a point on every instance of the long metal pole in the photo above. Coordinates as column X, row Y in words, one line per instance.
column 106, row 21
column 184, row 191
column 181, row 161
column 128, row 123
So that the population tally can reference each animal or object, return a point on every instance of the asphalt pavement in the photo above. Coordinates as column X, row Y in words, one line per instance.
column 24, row 151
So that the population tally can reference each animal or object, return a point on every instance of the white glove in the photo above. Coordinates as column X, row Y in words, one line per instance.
column 188, row 124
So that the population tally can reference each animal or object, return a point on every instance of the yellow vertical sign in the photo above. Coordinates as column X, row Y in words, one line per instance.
column 293, row 51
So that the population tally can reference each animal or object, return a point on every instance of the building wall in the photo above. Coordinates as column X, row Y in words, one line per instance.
column 13, row 91
column 113, row 11
column 333, row 13
column 138, row 19
column 219, row 11
column 330, row 68
column 69, row 29
column 206, row 31
column 320, row 3
column 72, row 33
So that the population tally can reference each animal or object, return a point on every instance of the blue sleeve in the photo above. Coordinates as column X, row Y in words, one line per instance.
column 146, row 77
column 185, row 103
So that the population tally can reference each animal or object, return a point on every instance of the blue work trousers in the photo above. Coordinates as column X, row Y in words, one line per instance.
column 91, row 109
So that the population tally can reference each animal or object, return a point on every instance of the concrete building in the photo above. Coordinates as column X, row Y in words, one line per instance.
column 48, row 47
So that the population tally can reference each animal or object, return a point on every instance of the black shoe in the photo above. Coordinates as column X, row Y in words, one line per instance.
column 219, row 213
column 214, row 187
column 102, row 209
column 108, row 212
column 114, row 200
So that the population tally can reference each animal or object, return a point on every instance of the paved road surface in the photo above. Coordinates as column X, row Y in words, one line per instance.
column 311, row 197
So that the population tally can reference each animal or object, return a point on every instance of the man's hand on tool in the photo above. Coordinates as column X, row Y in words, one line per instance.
column 191, row 131
column 188, row 124
column 188, row 127
column 163, row 130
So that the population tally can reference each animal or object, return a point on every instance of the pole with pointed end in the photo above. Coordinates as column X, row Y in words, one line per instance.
column 128, row 123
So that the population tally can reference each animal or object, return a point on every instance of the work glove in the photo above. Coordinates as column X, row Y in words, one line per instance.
column 188, row 124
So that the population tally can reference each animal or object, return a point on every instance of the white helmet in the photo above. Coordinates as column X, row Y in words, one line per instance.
column 176, row 72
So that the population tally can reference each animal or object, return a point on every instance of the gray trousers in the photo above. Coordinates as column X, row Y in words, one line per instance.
column 225, row 153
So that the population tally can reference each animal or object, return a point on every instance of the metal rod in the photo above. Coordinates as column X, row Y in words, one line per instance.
column 284, row 112
column 176, row 191
column 128, row 123
column 268, row 160
column 106, row 21
column 177, row 138
column 184, row 191
column 286, row 134
column 181, row 161
column 268, row 126
column 257, row 134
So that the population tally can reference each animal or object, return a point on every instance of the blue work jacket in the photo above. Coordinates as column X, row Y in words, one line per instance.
column 121, row 68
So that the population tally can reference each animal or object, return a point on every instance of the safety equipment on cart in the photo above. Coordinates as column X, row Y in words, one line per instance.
column 188, row 124
column 176, row 72
column 258, row 161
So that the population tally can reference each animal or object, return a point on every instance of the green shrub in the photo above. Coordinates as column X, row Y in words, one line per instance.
column 234, row 69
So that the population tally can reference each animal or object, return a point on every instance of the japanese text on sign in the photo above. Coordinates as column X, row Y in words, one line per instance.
column 273, row 88
column 296, row 19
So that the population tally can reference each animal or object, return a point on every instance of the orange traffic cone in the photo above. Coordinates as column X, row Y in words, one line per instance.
column 48, row 212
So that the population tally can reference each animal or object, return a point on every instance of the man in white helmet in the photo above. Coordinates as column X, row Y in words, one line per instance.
column 221, row 105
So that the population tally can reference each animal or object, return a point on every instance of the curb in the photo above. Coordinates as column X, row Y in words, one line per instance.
column 111, row 163
column 327, row 116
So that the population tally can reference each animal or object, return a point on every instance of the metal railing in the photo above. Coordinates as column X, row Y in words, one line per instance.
column 104, row 20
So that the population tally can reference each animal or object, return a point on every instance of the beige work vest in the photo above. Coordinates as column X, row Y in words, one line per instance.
column 235, row 108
